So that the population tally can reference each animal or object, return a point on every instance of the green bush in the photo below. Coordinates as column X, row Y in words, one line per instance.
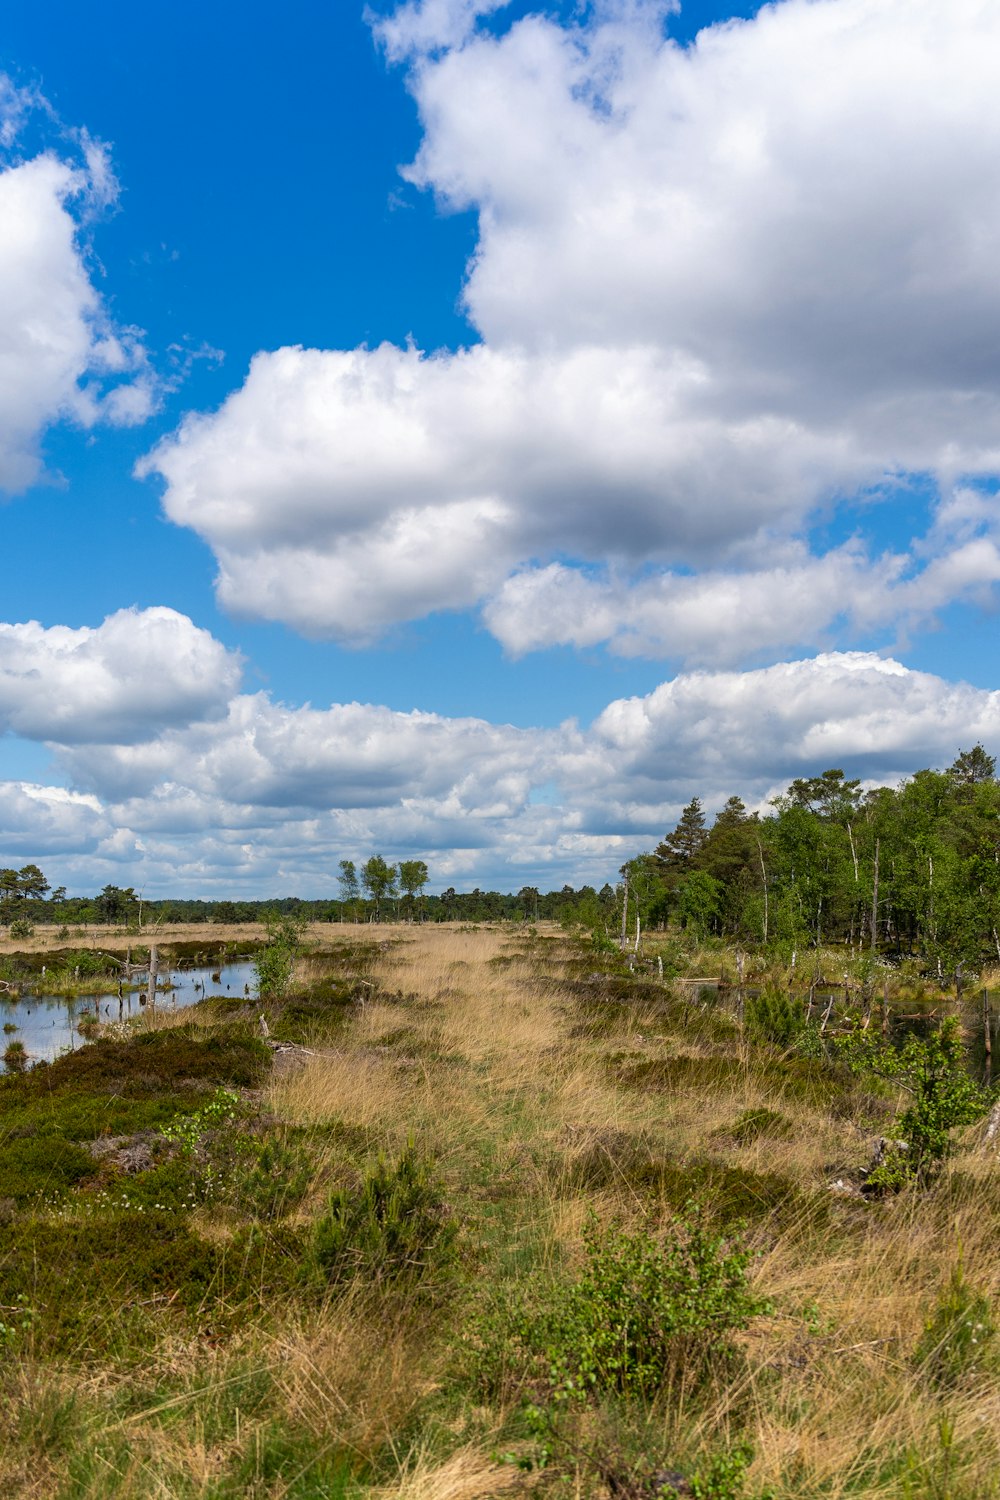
column 957, row 1335
column 37, row 1166
column 643, row 1308
column 275, row 961
column 755, row 1124
column 270, row 1179
column 775, row 1017
column 395, row 1228
column 641, row 1305
column 942, row 1094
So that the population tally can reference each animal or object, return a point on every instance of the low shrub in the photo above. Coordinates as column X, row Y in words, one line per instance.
column 756, row 1124
column 395, row 1227
column 36, row 1167
column 943, row 1097
column 644, row 1309
column 957, row 1336
column 774, row 1017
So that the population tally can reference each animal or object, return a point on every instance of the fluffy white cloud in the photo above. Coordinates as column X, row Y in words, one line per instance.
column 343, row 491
column 60, row 355
column 270, row 797
column 349, row 756
column 719, row 288
column 49, row 820
column 724, row 618
column 132, row 676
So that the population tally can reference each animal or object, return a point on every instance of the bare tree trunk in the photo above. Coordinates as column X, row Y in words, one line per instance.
column 151, row 981
column 987, row 1037
column 874, row 931
column 763, row 876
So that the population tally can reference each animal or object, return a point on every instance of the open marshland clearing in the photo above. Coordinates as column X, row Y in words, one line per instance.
column 478, row 1212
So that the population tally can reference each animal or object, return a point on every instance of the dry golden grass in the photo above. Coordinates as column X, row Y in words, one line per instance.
column 473, row 1048
column 468, row 1474
column 358, row 1089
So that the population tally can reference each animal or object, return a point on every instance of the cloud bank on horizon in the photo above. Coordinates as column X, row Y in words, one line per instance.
column 724, row 293
column 226, row 795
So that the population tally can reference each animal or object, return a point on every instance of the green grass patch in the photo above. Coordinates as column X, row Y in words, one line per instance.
column 103, row 1285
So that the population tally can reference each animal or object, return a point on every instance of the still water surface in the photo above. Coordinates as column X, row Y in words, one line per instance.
column 46, row 1024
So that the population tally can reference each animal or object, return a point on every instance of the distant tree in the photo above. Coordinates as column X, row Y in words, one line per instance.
column 379, row 880
column 830, row 795
column 972, row 766
column 679, row 848
column 115, row 904
column 350, row 890
column 699, row 902
column 413, row 876
column 528, row 896
column 31, row 883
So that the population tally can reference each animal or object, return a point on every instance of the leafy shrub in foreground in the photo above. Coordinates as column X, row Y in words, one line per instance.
column 643, row 1308
column 943, row 1097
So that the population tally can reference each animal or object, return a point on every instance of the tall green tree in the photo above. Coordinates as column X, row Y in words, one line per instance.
column 413, row 876
column 379, row 880
column 676, row 854
column 350, row 889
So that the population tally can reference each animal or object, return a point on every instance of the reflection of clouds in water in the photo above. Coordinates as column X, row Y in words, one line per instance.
column 46, row 1024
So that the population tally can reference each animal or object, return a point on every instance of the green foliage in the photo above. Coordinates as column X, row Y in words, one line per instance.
column 957, row 1335
column 641, row 1305
column 722, row 1478
column 270, row 1179
column 395, row 1228
column 20, row 927
column 643, row 1308
column 942, row 1097
column 755, row 1124
column 600, row 942
column 38, row 1166
column 16, row 1320
column 774, row 1016
column 113, row 1281
column 149, row 1063
column 275, row 961
column 222, row 1109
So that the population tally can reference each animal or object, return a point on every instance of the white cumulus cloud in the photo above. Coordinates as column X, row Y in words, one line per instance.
column 61, row 357
column 719, row 289
column 270, row 796
column 121, row 681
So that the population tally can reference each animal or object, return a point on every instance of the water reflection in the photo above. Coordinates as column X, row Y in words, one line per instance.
column 47, row 1024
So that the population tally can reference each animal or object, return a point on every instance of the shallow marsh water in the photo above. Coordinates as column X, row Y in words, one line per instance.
column 47, row 1024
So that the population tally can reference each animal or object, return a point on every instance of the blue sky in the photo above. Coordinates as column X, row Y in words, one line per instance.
column 691, row 490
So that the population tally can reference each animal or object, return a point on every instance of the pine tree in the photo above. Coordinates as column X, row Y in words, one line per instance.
column 680, row 848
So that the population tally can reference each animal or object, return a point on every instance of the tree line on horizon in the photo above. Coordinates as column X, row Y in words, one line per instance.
column 906, row 870
column 372, row 891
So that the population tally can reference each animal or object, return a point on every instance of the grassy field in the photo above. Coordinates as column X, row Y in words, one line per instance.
column 481, row 1217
